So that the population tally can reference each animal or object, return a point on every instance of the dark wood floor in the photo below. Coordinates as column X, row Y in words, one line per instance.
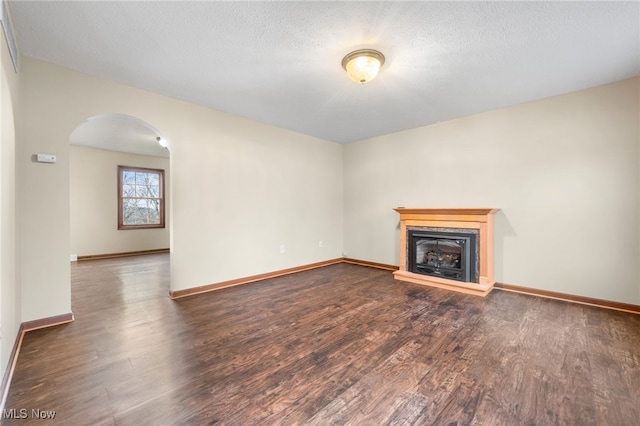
column 342, row 344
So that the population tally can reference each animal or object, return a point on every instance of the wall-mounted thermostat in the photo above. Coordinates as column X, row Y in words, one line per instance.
column 46, row 158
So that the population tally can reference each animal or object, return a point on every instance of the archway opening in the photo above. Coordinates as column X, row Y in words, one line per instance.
column 99, row 147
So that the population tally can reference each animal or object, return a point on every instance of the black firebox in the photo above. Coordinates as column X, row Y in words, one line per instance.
column 443, row 254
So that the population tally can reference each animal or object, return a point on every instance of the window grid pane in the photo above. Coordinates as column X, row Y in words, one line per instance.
column 141, row 198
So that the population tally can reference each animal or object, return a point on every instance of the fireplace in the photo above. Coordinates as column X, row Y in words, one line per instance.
column 449, row 248
column 444, row 253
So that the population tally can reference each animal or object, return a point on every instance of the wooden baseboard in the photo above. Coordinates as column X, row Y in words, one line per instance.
column 625, row 307
column 370, row 264
column 246, row 280
column 123, row 254
column 47, row 322
column 13, row 358
column 608, row 304
column 11, row 365
column 601, row 303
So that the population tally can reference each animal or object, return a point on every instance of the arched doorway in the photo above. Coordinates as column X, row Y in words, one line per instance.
column 98, row 147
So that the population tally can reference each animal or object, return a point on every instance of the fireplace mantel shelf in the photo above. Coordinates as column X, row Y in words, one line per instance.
column 446, row 211
column 465, row 218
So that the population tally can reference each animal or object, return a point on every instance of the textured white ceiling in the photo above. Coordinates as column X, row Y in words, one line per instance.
column 279, row 62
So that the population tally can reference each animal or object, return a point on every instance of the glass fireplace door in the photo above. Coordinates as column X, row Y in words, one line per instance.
column 443, row 257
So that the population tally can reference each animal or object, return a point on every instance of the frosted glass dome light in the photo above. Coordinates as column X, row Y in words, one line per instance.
column 363, row 65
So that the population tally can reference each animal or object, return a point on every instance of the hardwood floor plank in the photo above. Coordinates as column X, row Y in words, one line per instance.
column 343, row 344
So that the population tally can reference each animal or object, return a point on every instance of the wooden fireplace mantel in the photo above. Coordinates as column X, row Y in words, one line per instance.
column 466, row 218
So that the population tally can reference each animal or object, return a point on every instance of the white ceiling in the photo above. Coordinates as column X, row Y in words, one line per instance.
column 279, row 62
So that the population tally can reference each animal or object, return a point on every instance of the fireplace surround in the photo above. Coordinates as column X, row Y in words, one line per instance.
column 447, row 248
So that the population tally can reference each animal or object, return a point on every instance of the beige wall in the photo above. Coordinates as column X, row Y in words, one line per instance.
column 240, row 189
column 44, row 195
column 564, row 171
column 10, row 295
column 94, row 204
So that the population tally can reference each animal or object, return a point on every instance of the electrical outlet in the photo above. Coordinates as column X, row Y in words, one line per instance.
column 74, row 257
column 320, row 243
column 281, row 248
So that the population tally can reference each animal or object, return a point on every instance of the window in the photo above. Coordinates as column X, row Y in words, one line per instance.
column 140, row 198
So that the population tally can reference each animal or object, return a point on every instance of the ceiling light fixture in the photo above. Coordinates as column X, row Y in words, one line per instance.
column 162, row 142
column 363, row 65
